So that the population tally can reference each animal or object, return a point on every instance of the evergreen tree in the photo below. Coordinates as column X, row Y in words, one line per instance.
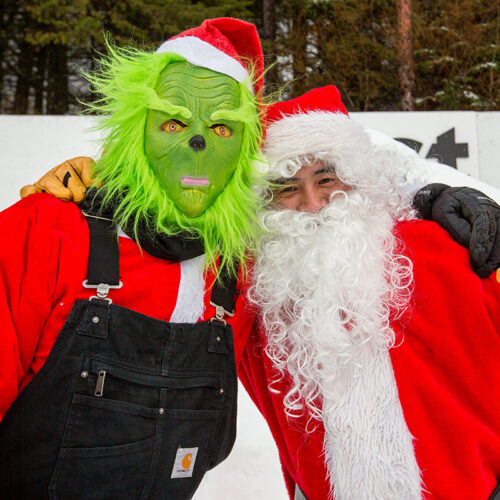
column 44, row 45
column 457, row 49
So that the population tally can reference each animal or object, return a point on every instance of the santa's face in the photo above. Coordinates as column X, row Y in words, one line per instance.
column 309, row 190
column 190, row 146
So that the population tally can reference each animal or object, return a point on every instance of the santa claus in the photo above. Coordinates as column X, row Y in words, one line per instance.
column 376, row 364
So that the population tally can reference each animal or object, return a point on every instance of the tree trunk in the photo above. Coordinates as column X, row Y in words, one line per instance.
column 57, row 88
column 3, row 46
column 23, row 79
column 405, row 55
column 8, row 61
column 298, row 45
column 269, row 38
column 39, row 80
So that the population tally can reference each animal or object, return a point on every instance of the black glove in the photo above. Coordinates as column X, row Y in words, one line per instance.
column 471, row 218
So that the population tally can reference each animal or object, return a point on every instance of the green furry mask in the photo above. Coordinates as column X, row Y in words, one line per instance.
column 190, row 143
column 153, row 105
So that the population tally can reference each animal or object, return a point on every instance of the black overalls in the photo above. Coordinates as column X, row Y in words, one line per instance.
column 126, row 406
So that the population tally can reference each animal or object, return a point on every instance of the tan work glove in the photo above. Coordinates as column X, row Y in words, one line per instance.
column 68, row 181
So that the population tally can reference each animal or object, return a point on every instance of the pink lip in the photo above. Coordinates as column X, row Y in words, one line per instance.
column 195, row 181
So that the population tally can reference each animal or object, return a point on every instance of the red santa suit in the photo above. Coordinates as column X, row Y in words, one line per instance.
column 407, row 405
column 445, row 365
column 43, row 264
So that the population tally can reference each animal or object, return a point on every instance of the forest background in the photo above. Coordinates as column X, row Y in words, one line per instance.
column 383, row 55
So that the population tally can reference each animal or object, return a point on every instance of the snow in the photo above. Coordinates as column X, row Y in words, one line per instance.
column 471, row 95
column 486, row 65
column 31, row 145
column 252, row 470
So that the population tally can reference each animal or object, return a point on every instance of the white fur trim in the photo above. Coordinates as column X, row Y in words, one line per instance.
column 417, row 177
column 205, row 55
column 368, row 447
column 315, row 133
column 190, row 305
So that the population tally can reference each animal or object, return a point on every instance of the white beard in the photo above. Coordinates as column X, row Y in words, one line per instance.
column 328, row 285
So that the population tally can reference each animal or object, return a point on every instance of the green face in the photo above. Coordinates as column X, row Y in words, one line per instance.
column 190, row 146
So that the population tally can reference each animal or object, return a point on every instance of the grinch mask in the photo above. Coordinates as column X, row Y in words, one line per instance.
column 190, row 143
column 204, row 189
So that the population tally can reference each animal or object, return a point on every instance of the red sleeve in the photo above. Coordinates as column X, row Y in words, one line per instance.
column 446, row 286
column 29, row 259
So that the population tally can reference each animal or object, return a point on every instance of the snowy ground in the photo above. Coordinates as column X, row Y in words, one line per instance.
column 30, row 146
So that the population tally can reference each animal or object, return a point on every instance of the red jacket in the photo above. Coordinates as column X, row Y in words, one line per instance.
column 446, row 365
column 43, row 262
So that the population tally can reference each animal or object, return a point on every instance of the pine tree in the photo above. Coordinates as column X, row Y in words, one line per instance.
column 457, row 48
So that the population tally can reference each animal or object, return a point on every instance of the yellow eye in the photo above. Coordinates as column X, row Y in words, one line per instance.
column 221, row 130
column 173, row 126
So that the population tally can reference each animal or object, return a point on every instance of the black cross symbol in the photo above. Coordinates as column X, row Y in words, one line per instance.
column 446, row 150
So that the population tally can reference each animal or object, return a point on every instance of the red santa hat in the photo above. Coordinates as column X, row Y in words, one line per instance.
column 321, row 99
column 315, row 124
column 225, row 45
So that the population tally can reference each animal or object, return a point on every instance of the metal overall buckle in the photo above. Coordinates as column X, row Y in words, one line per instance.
column 220, row 312
column 102, row 290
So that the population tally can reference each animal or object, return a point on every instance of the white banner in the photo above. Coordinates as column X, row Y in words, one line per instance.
column 465, row 140
column 468, row 141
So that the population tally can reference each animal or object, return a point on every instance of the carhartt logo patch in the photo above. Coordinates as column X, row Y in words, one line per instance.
column 184, row 462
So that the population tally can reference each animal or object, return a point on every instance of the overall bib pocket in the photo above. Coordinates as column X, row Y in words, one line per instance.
column 125, row 431
column 113, row 379
column 188, row 444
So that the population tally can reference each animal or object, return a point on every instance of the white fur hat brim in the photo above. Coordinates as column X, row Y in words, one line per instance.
column 331, row 137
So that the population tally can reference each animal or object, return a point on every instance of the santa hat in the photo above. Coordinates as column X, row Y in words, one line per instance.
column 315, row 124
column 320, row 99
column 225, row 45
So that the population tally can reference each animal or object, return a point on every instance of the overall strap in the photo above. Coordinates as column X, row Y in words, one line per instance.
column 223, row 296
column 104, row 263
column 103, row 252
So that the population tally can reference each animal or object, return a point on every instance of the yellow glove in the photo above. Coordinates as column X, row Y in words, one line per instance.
column 68, row 181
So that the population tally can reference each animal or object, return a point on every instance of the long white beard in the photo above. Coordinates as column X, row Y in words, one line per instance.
column 328, row 285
